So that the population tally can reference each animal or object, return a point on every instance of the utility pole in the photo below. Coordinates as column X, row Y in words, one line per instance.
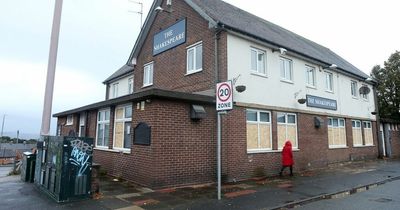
column 138, row 12
column 51, row 70
column 17, row 136
column 2, row 125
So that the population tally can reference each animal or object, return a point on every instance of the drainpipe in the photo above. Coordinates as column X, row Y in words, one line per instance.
column 381, row 144
column 216, row 63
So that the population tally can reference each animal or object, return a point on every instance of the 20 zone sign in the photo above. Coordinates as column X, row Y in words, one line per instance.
column 224, row 96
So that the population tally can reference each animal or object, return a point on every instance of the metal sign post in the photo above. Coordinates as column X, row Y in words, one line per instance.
column 224, row 101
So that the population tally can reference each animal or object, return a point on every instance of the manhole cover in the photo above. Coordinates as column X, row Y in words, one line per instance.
column 383, row 200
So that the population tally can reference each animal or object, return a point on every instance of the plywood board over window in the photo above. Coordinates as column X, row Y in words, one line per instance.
column 287, row 129
column 336, row 132
column 258, row 128
column 368, row 138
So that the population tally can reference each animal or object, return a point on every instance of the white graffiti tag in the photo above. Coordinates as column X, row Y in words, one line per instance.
column 80, row 155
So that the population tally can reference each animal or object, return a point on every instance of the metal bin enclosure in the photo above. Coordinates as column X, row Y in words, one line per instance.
column 63, row 168
column 28, row 167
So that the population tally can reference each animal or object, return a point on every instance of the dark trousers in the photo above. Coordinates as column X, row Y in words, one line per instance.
column 283, row 167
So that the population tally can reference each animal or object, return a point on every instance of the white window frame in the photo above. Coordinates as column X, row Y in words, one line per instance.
column 103, row 122
column 353, row 87
column 368, row 128
column 130, row 85
column 70, row 120
column 329, row 81
column 115, row 90
column 338, row 126
column 361, row 131
column 258, row 70
column 286, row 72
column 148, row 74
column 82, row 120
column 314, row 74
column 122, row 120
column 295, row 144
column 193, row 49
column 258, row 123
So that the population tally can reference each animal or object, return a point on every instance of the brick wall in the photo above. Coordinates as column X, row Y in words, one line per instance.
column 313, row 147
column 170, row 66
column 182, row 151
column 395, row 143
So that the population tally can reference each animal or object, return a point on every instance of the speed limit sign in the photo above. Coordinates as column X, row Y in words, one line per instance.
column 224, row 96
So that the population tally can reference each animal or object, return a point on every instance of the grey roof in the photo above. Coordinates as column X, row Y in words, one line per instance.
column 125, row 69
column 143, row 95
column 17, row 146
column 7, row 153
column 243, row 22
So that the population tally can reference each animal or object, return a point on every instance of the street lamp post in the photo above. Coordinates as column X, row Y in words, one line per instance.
column 51, row 68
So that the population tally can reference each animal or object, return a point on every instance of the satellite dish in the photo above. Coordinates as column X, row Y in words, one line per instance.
column 364, row 90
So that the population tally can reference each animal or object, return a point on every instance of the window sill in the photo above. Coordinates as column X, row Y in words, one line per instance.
column 125, row 151
column 148, row 85
column 193, row 72
column 269, row 151
column 329, row 91
column 338, row 147
column 259, row 74
column 361, row 146
column 311, row 87
column 287, row 81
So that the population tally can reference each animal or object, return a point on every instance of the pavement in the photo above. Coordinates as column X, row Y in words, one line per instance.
column 336, row 181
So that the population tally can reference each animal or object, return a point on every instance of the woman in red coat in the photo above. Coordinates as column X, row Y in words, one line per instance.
column 287, row 158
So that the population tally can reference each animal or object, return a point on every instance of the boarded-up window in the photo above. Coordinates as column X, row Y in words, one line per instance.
column 336, row 132
column 357, row 135
column 258, row 130
column 368, row 133
column 122, row 127
column 287, row 129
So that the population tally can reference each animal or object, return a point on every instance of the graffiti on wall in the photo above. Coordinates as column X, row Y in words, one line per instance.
column 80, row 155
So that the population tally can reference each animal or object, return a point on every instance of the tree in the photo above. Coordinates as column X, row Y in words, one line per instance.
column 388, row 87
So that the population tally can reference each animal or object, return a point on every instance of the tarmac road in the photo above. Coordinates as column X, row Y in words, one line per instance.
column 382, row 197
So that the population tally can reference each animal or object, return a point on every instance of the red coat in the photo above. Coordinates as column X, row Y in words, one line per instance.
column 287, row 154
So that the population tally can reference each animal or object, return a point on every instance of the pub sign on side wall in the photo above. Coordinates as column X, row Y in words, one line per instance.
column 170, row 37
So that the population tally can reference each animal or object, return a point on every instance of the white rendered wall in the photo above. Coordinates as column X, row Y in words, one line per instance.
column 122, row 87
column 271, row 91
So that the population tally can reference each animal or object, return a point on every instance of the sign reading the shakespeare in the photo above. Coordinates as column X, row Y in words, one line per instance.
column 319, row 102
column 169, row 38
column 224, row 96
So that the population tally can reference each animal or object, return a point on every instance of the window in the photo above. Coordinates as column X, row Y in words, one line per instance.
column 310, row 76
column 148, row 75
column 287, row 129
column 194, row 58
column 103, row 128
column 258, row 130
column 122, row 127
column 258, row 58
column 130, row 85
column 70, row 120
column 329, row 81
column 357, row 135
column 81, row 125
column 368, row 133
column 336, row 132
column 286, row 69
column 115, row 90
column 354, row 88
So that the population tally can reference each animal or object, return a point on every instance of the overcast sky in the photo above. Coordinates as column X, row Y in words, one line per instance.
column 97, row 36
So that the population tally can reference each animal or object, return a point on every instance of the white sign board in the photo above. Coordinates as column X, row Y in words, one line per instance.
column 224, row 96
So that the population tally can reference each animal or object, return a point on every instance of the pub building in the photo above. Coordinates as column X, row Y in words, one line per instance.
column 158, row 123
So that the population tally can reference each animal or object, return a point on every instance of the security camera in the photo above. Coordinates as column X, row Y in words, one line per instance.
column 333, row 66
column 282, row 50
